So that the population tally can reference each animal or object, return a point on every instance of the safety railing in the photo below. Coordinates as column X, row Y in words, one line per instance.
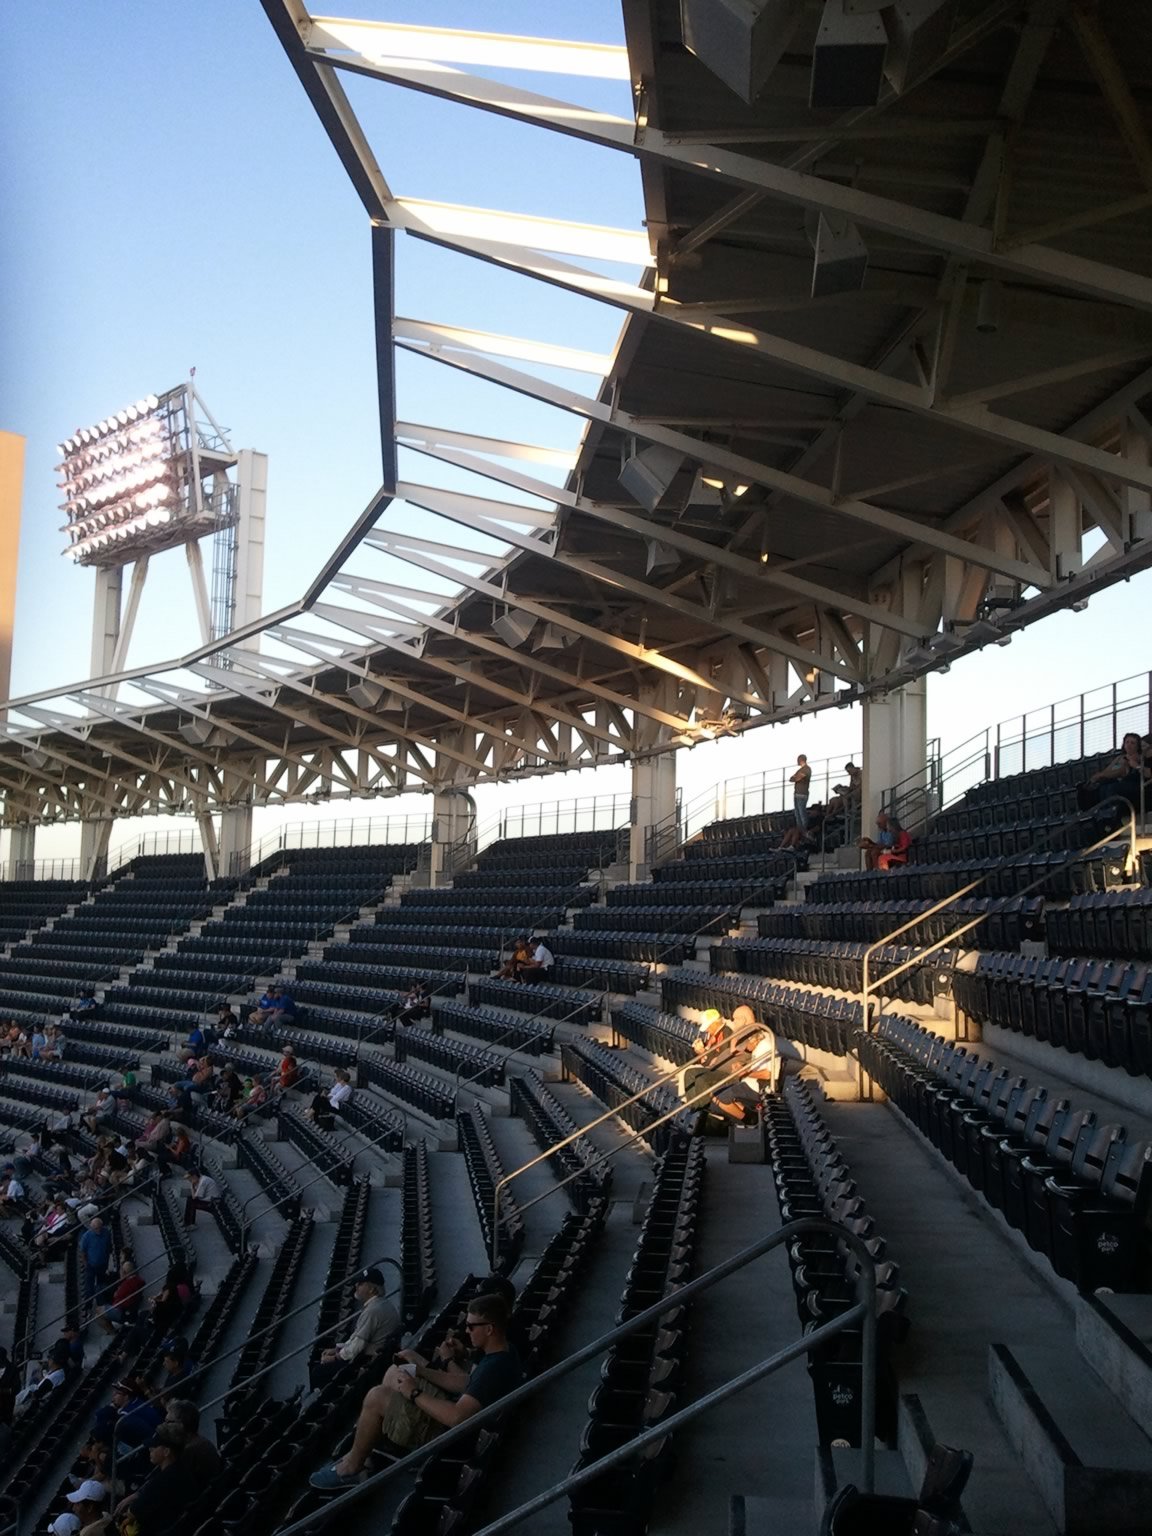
column 758, row 794
column 704, row 1095
column 867, row 988
column 345, row 832
column 862, row 1315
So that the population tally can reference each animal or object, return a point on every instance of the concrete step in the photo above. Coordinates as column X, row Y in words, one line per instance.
column 751, row 1515
column 1114, row 1334
column 1090, row 1464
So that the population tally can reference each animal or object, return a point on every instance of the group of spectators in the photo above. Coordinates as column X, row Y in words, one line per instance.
column 33, row 1042
column 530, row 960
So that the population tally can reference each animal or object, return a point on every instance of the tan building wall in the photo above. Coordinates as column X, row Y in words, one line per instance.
column 11, row 492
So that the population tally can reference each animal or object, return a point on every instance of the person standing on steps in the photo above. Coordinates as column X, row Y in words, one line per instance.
column 800, row 781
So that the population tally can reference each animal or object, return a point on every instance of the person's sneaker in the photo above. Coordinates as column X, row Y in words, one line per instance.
column 328, row 1480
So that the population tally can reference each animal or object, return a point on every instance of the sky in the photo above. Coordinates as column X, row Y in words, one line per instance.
column 171, row 202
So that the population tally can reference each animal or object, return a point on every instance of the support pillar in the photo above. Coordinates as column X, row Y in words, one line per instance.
column 653, row 805
column 453, row 820
column 895, row 745
column 653, row 780
column 210, row 844
column 234, row 845
column 21, row 852
column 106, row 618
column 94, row 839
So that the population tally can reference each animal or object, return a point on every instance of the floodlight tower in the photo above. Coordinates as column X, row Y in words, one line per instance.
column 158, row 475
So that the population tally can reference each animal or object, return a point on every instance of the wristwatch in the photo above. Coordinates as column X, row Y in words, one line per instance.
column 415, row 1395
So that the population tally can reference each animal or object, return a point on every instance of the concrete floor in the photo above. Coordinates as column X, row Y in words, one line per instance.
column 968, row 1287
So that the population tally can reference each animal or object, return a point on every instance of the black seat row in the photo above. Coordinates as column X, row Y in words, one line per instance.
column 468, row 1063
column 475, row 913
column 594, row 970
column 646, row 919
column 417, row 1249
column 561, row 874
column 420, row 1089
column 282, row 1190
column 731, row 894
column 496, row 1025
column 558, row 896
column 419, row 959
column 757, row 868
column 1101, row 1009
column 346, row 1259
column 540, row 999
column 259, row 1351
column 322, row 1150
column 1051, row 831
column 641, row 1377
column 670, row 948
column 1078, row 1191
column 613, row 1081
column 485, row 1172
column 550, row 1123
column 825, row 963
column 660, row 1033
column 1002, row 924
column 1113, row 923
column 812, row 1179
column 1037, row 781
column 1001, row 877
column 809, row 1018
column 542, row 852
column 376, row 1122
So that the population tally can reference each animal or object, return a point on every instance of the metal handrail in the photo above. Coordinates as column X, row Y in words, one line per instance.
column 866, row 987
column 659, row 1082
column 863, row 1312
column 603, row 1157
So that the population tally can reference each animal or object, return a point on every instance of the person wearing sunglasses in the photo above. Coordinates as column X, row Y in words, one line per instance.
column 417, row 1401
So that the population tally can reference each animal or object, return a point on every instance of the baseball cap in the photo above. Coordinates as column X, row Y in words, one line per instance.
column 372, row 1277
column 89, row 1491
column 64, row 1525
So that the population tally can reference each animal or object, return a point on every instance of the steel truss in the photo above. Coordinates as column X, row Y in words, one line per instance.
column 879, row 501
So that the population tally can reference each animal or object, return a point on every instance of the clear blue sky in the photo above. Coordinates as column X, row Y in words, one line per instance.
column 171, row 201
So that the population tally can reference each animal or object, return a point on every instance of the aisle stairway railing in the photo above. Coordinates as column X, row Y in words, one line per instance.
column 868, row 986
column 700, row 1098
column 862, row 1315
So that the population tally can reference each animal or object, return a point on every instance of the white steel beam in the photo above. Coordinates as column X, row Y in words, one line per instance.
column 433, row 444
column 454, row 45
column 547, row 354
column 954, row 237
column 804, row 491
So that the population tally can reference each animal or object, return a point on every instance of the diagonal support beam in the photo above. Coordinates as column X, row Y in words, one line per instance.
column 804, row 491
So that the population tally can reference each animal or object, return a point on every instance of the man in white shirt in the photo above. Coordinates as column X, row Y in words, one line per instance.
column 377, row 1323
column 740, row 1101
column 539, row 967
column 203, row 1190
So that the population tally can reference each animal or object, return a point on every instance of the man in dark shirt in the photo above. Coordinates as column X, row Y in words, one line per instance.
column 169, row 1488
column 416, row 1401
column 199, row 1457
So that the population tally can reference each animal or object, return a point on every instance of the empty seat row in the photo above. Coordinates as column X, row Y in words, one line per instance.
column 422, row 1090
column 809, row 1018
column 613, row 1081
column 1078, row 1191
column 1054, row 833
column 1036, row 781
column 1101, row 1009
column 642, row 1377
column 417, row 1249
column 555, row 896
column 496, row 1025
column 755, row 868
column 595, row 970
column 322, row 1150
column 1000, row 877
column 274, row 1303
column 813, row 1180
column 760, row 892
column 660, row 1033
column 672, row 919
column 485, row 1172
column 1000, row 925
column 540, row 999
column 549, row 1124
column 562, row 873
column 468, row 1063
column 511, row 920
column 826, row 963
column 1113, row 923
column 539, row 852
column 978, row 815
column 668, row 948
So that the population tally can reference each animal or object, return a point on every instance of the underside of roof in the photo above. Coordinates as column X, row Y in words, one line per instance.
column 881, row 397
